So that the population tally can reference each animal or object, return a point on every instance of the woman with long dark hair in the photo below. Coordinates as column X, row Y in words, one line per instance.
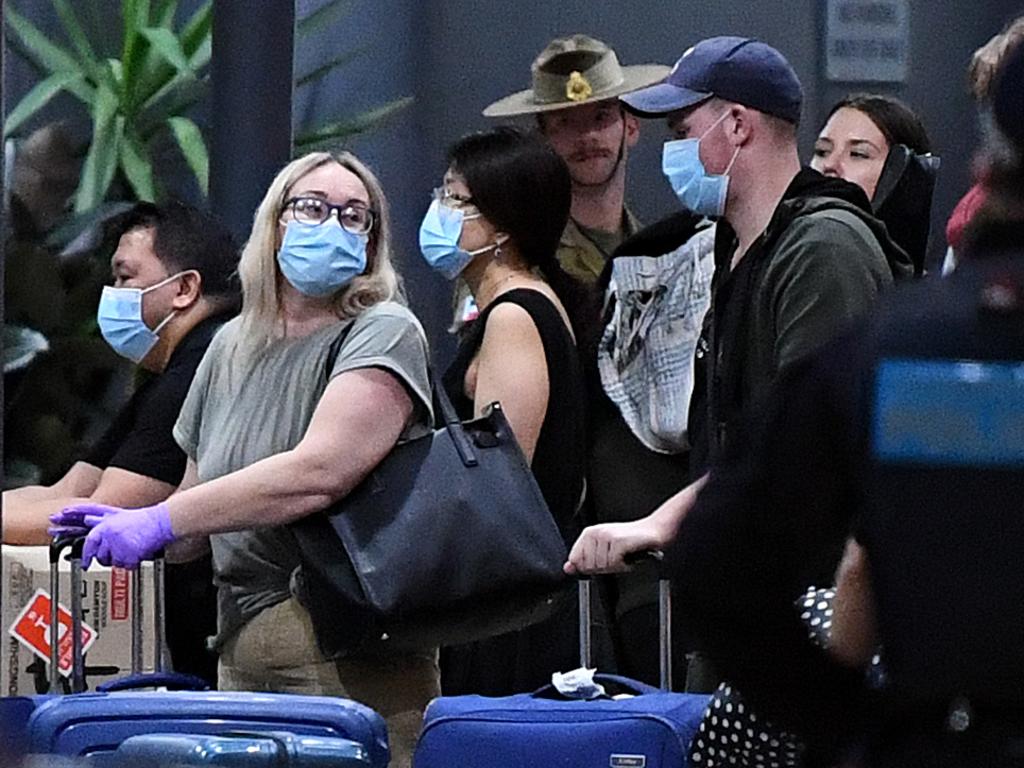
column 496, row 222
column 863, row 135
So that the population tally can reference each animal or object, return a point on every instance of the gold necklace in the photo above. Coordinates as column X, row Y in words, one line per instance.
column 494, row 290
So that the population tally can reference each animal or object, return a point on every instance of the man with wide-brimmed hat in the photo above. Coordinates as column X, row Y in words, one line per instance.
column 574, row 94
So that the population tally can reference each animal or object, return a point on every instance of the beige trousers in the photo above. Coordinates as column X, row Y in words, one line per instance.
column 276, row 652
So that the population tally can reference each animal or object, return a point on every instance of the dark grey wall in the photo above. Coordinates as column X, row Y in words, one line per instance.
column 457, row 56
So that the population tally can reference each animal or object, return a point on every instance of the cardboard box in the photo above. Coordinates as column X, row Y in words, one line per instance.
column 106, row 608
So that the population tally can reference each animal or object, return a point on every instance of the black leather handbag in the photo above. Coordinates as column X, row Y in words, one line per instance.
column 448, row 540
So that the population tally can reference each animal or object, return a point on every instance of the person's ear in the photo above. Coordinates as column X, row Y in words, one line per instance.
column 740, row 124
column 190, row 289
column 632, row 128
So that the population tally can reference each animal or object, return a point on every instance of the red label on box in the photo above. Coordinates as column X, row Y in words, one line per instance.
column 118, row 594
column 32, row 629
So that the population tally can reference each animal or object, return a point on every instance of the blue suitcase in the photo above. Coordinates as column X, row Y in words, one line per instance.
column 650, row 729
column 240, row 750
column 92, row 725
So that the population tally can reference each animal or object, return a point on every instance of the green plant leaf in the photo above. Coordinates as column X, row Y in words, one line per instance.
column 37, row 98
column 201, row 56
column 21, row 345
column 321, row 71
column 116, row 72
column 101, row 159
column 164, row 13
column 166, row 70
column 73, row 28
column 322, row 17
column 166, row 44
column 111, row 75
column 137, row 167
column 195, row 42
column 330, row 134
column 174, row 98
column 135, row 16
column 46, row 54
column 193, row 147
column 197, row 30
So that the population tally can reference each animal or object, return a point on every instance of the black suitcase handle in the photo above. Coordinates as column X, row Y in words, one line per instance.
column 76, row 541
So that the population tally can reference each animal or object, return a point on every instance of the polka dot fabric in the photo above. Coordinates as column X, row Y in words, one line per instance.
column 731, row 735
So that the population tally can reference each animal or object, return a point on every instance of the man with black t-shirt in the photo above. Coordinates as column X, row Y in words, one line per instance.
column 174, row 284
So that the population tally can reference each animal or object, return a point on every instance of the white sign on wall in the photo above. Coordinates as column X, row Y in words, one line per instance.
column 867, row 40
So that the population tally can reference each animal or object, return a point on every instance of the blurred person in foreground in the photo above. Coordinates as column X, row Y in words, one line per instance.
column 905, row 430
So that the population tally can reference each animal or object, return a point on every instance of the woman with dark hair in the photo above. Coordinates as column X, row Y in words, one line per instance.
column 858, row 134
column 880, row 144
column 496, row 222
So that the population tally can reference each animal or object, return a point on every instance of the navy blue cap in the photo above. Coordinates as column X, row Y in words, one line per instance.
column 737, row 69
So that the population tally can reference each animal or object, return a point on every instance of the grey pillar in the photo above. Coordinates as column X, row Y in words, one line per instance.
column 3, row 259
column 3, row 253
column 253, row 50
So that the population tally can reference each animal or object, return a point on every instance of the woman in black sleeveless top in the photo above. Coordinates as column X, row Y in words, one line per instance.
column 496, row 222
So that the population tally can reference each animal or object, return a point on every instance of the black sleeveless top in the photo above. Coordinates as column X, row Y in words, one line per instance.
column 559, row 457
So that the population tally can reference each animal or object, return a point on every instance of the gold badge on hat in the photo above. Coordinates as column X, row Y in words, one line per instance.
column 577, row 88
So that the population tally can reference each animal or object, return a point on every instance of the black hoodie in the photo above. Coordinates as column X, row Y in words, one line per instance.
column 819, row 265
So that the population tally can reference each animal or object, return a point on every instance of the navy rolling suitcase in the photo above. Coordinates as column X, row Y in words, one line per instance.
column 91, row 726
column 240, row 750
column 648, row 729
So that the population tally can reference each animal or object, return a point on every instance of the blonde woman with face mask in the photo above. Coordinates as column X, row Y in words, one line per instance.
column 272, row 436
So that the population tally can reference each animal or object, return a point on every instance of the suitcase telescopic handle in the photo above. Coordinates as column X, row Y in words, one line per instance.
column 664, row 618
column 75, row 542
column 159, row 617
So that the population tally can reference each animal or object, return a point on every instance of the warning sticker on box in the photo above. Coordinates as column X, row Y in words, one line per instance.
column 118, row 594
column 32, row 629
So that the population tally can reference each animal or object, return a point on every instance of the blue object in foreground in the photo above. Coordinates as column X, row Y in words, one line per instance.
column 949, row 412
column 240, row 750
column 92, row 726
column 648, row 730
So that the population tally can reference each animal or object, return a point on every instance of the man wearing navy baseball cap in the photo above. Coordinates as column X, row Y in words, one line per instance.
column 797, row 256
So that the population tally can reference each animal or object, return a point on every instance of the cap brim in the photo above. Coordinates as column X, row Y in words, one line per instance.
column 523, row 102
column 661, row 99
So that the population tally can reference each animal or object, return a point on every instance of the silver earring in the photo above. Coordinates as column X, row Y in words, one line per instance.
column 497, row 252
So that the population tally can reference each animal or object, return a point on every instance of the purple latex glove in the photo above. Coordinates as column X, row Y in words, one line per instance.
column 126, row 538
column 71, row 520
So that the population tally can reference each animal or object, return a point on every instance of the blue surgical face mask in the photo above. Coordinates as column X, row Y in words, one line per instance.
column 439, row 240
column 701, row 192
column 120, row 320
column 319, row 259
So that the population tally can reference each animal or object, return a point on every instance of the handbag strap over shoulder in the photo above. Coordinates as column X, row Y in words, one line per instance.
column 444, row 410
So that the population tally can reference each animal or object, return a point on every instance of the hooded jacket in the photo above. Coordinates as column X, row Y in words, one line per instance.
column 818, row 266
